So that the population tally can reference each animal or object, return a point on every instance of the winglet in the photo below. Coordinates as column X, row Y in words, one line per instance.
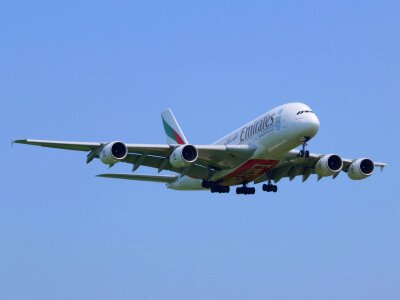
column 25, row 141
column 172, row 129
column 381, row 165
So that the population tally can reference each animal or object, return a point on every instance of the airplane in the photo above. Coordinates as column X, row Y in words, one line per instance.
column 262, row 151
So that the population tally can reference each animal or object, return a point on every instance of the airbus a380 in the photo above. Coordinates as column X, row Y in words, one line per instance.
column 263, row 150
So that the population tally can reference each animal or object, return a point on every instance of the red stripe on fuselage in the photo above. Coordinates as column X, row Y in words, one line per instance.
column 249, row 171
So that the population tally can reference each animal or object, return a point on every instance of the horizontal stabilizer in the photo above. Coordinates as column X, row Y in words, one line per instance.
column 153, row 178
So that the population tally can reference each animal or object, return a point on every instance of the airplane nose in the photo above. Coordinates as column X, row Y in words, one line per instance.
column 310, row 125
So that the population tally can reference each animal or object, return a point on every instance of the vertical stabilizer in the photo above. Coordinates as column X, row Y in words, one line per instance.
column 172, row 129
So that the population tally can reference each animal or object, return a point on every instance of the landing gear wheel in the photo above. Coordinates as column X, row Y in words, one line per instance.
column 205, row 184
column 303, row 152
column 267, row 187
column 220, row 189
column 270, row 187
column 244, row 190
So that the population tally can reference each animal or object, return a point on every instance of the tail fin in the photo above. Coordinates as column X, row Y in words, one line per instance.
column 172, row 129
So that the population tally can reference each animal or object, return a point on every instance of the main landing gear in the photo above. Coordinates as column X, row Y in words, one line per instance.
column 221, row 189
column 303, row 152
column 244, row 190
column 270, row 187
column 215, row 187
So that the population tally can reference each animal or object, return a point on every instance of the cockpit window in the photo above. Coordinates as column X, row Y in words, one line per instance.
column 304, row 111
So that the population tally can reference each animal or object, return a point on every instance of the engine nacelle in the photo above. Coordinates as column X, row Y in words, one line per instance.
column 183, row 156
column 361, row 168
column 113, row 152
column 329, row 165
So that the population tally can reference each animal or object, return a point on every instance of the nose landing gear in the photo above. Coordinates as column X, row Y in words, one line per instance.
column 303, row 152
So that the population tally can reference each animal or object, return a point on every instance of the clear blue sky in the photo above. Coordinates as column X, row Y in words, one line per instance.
column 104, row 70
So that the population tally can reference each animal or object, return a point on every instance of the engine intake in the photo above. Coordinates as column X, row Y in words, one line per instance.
column 113, row 152
column 361, row 169
column 183, row 156
column 329, row 165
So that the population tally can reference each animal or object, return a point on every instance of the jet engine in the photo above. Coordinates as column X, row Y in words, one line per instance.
column 113, row 152
column 329, row 165
column 360, row 169
column 183, row 156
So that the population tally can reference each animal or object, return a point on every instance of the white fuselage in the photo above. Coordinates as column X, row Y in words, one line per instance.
column 273, row 134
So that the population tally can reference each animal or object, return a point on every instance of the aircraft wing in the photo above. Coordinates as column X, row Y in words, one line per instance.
column 211, row 157
column 292, row 166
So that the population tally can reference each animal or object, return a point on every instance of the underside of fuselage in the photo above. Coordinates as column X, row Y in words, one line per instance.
column 249, row 171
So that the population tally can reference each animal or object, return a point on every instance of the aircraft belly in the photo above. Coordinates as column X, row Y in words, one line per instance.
column 248, row 172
